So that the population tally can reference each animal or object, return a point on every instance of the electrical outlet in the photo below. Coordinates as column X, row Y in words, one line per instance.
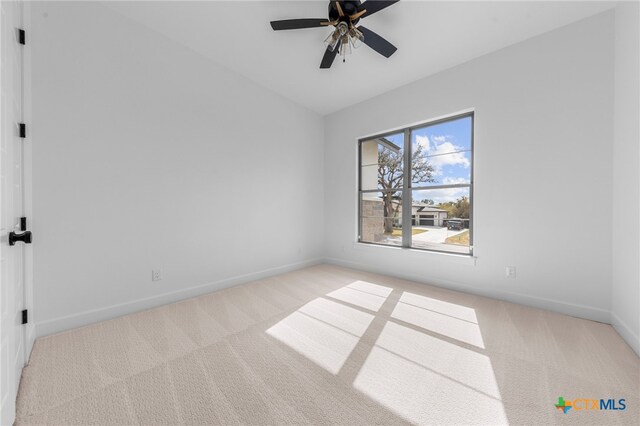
column 511, row 271
column 156, row 275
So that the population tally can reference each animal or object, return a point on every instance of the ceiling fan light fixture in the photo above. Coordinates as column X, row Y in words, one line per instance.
column 336, row 36
column 356, row 37
column 332, row 41
column 345, row 47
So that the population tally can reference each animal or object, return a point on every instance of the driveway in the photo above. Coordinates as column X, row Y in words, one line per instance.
column 435, row 234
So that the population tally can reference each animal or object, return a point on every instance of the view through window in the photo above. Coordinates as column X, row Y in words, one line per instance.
column 416, row 187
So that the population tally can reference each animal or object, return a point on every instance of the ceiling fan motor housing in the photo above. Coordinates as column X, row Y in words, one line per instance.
column 349, row 7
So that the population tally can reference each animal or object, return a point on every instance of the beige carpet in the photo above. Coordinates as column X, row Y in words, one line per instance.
column 330, row 345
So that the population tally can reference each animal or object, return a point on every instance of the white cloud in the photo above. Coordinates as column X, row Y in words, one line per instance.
column 423, row 141
column 439, row 145
column 452, row 181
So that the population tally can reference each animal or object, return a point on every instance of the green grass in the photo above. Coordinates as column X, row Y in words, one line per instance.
column 462, row 239
column 414, row 231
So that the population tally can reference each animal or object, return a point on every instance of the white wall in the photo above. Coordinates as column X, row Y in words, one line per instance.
column 544, row 120
column 146, row 155
column 625, row 303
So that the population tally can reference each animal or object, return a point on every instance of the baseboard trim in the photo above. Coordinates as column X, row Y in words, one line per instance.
column 31, row 338
column 81, row 319
column 632, row 339
column 69, row 322
column 575, row 310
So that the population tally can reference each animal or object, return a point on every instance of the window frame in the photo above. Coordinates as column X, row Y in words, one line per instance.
column 408, row 188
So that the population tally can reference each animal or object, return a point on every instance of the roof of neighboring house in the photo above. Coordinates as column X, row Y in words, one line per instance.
column 421, row 207
column 386, row 142
column 427, row 208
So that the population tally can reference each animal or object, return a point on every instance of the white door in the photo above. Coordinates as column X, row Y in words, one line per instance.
column 12, row 293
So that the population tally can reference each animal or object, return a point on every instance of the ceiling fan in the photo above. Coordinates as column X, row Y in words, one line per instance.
column 344, row 15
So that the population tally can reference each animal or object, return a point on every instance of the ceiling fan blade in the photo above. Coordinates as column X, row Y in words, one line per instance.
column 328, row 57
column 377, row 43
column 373, row 6
column 295, row 24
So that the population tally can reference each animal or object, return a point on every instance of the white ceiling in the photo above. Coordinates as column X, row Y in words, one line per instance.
column 431, row 36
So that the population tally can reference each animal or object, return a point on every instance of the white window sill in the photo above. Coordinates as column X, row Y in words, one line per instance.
column 463, row 259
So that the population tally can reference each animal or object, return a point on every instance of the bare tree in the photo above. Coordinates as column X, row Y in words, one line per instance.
column 391, row 174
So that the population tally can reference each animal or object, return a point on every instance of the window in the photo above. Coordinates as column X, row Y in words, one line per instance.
column 416, row 187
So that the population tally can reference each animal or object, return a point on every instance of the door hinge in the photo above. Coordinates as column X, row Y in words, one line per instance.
column 23, row 130
column 21, row 36
column 25, row 316
column 25, row 237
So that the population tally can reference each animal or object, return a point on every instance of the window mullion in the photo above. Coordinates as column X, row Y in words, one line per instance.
column 406, row 191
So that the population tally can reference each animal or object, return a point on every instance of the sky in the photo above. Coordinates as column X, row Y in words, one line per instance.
column 448, row 148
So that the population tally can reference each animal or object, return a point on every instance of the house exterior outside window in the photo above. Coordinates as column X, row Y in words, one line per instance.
column 415, row 187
